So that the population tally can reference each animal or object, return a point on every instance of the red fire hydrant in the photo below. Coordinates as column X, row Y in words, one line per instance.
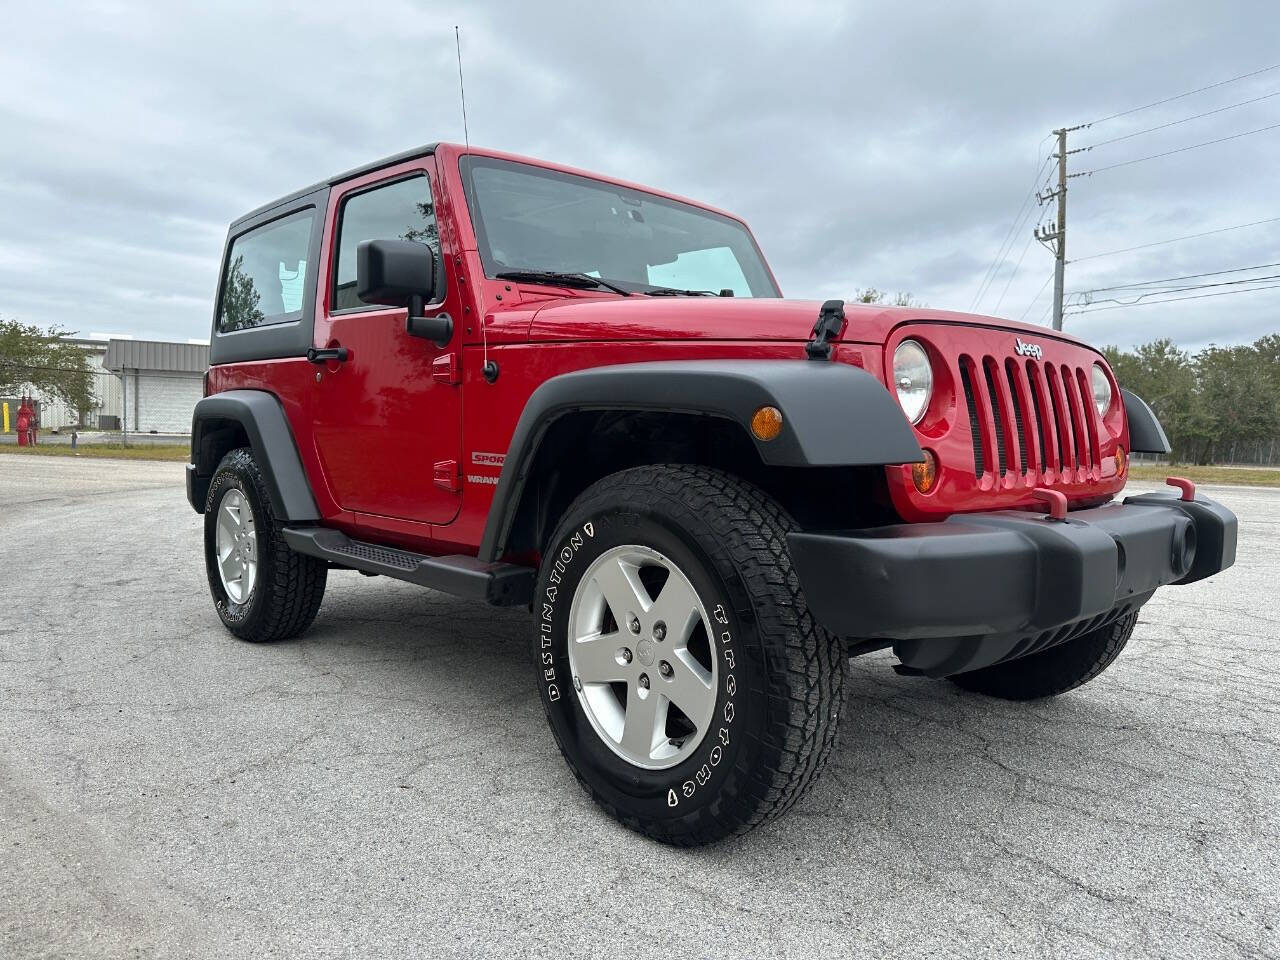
column 26, row 423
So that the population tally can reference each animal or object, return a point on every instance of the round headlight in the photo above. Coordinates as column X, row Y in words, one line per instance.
column 1101, row 390
column 912, row 379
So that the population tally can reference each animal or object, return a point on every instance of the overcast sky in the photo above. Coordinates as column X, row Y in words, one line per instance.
column 868, row 144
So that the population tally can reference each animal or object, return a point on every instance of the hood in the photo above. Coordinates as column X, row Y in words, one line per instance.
column 609, row 318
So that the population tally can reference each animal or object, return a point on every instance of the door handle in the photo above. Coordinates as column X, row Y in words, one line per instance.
column 328, row 353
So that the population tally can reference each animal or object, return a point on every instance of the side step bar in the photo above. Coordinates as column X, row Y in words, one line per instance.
column 502, row 584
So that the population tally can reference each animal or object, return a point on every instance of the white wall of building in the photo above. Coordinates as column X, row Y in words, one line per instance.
column 162, row 402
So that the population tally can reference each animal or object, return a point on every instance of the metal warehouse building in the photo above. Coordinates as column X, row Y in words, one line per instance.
column 161, row 382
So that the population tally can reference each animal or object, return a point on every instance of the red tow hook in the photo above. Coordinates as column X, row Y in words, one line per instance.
column 1056, row 499
column 1182, row 483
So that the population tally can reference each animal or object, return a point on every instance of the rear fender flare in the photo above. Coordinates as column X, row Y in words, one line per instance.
column 263, row 419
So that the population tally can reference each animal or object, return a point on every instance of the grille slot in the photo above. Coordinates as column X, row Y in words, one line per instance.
column 1061, row 430
column 1087, row 411
column 997, row 413
column 1019, row 419
column 975, row 429
column 1042, row 425
column 1075, row 418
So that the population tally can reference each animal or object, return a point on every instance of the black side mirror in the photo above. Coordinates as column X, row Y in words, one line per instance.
column 401, row 273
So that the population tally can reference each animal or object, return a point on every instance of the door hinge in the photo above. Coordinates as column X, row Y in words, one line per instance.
column 446, row 475
column 445, row 368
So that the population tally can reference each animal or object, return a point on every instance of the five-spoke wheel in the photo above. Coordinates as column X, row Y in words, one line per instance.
column 236, row 546
column 642, row 657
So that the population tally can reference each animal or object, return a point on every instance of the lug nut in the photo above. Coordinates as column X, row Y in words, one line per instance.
column 644, row 681
column 634, row 625
column 664, row 668
column 659, row 630
column 625, row 655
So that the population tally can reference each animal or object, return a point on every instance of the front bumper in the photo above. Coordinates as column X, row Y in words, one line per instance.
column 977, row 589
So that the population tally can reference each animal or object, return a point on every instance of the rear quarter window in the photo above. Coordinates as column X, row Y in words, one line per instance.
column 264, row 282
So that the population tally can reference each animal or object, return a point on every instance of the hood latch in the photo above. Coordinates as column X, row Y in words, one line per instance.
column 830, row 325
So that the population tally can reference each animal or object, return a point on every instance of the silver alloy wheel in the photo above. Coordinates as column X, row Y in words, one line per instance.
column 630, row 656
column 236, row 546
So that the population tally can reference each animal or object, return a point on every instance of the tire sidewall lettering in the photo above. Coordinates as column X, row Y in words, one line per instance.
column 671, row 792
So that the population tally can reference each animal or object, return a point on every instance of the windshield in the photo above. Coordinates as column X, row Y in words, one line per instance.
column 531, row 219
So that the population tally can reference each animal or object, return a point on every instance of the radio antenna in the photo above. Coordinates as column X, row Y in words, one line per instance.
column 462, row 91
column 489, row 367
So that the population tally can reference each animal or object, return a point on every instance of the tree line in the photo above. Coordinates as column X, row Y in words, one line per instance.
column 1218, row 405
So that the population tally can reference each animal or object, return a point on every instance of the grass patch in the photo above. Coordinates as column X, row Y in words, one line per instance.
column 1239, row 476
column 111, row 451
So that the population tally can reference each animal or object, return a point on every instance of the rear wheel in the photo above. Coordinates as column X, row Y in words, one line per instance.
column 685, row 681
column 1056, row 670
column 261, row 589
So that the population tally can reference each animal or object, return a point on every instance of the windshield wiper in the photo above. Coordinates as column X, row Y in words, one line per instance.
column 673, row 292
column 580, row 280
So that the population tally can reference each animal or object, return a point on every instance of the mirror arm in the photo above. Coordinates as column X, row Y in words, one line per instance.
column 437, row 329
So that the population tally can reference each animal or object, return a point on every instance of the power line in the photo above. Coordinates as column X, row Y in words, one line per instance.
column 1169, row 153
column 1220, row 83
column 1190, row 236
column 1035, row 298
column 993, row 269
column 1016, row 267
column 1190, row 276
column 1195, row 286
column 1174, row 123
column 1199, row 296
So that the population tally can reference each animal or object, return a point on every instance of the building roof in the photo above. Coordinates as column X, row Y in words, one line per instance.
column 156, row 355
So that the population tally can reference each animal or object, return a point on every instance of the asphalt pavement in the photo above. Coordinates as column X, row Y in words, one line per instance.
column 387, row 787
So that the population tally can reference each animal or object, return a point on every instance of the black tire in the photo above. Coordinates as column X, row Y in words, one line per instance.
column 1056, row 670
column 780, row 682
column 289, row 586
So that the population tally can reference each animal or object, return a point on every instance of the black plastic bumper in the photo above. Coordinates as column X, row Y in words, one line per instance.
column 980, row 588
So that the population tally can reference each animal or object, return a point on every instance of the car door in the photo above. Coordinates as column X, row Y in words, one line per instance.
column 387, row 420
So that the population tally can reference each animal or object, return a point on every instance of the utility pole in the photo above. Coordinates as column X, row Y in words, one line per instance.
column 1056, row 239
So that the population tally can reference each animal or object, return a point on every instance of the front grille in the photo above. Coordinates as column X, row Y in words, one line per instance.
column 1044, row 400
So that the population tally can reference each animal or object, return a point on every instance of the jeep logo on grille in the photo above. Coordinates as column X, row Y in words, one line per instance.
column 1024, row 349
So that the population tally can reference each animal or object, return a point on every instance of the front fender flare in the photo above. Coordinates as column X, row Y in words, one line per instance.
column 263, row 419
column 1145, row 433
column 833, row 414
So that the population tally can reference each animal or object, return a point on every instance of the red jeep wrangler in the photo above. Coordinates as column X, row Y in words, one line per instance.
column 533, row 386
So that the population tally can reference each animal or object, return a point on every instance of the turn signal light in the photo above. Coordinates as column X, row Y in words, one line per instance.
column 925, row 473
column 1119, row 460
column 767, row 423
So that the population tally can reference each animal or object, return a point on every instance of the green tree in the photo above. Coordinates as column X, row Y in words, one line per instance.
column 429, row 232
column 33, row 359
column 1236, row 399
column 1217, row 404
column 1165, row 377
column 240, row 299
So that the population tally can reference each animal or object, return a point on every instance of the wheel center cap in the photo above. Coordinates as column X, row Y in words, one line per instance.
column 644, row 652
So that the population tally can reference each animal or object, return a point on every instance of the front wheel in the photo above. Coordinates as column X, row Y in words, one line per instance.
column 685, row 680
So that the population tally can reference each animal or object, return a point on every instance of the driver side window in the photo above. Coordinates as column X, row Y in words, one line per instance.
column 402, row 210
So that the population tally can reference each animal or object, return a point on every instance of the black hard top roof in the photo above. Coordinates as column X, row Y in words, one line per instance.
column 395, row 158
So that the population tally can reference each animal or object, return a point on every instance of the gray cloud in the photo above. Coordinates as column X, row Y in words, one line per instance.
column 885, row 145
